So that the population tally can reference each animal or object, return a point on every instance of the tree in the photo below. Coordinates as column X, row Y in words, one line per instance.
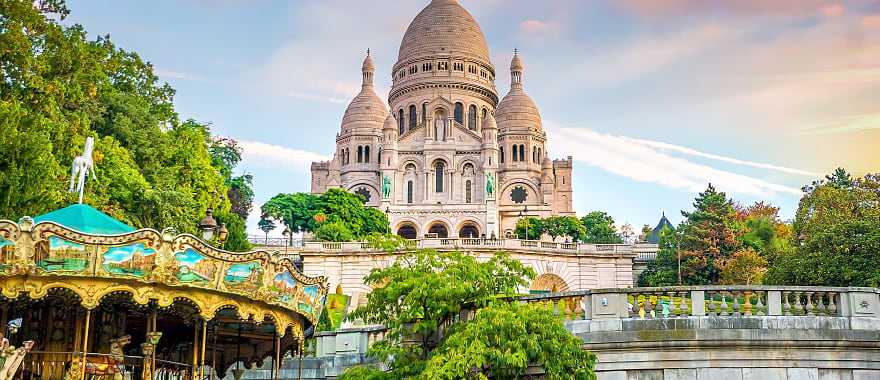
column 708, row 237
column 266, row 225
column 304, row 212
column 600, row 229
column 529, row 228
column 333, row 231
column 663, row 270
column 835, row 235
column 503, row 340
column 569, row 226
column 236, row 239
column 424, row 289
column 420, row 299
column 745, row 267
column 59, row 88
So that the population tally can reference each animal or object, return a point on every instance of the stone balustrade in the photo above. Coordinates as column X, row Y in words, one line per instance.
column 455, row 244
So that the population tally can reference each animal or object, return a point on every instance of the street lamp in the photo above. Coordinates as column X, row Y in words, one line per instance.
column 209, row 228
column 287, row 235
column 523, row 212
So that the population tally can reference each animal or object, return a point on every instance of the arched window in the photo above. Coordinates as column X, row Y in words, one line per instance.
column 367, row 154
column 360, row 154
column 484, row 113
column 409, row 192
column 412, row 117
column 458, row 114
column 540, row 155
column 400, row 125
column 515, row 154
column 472, row 117
column 424, row 113
column 467, row 191
column 522, row 152
column 347, row 156
column 501, row 154
column 535, row 154
column 438, row 176
column 379, row 156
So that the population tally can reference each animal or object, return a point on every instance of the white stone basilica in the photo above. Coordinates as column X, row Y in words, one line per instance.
column 450, row 160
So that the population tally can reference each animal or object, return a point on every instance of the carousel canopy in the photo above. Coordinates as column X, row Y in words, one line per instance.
column 85, row 219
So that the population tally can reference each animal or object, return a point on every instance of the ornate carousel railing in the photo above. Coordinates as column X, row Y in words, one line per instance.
column 78, row 292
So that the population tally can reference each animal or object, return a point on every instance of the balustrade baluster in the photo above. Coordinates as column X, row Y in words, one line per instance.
column 759, row 306
column 809, row 306
column 820, row 303
column 832, row 307
column 634, row 308
column 747, row 303
column 673, row 308
column 798, row 306
column 723, row 304
column 786, row 307
column 649, row 307
column 736, row 305
column 578, row 310
column 713, row 311
column 684, row 307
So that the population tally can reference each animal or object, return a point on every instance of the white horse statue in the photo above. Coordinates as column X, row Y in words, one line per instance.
column 82, row 166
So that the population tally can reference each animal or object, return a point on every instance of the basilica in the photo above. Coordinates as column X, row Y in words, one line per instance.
column 449, row 159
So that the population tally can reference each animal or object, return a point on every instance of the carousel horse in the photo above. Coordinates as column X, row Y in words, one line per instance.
column 106, row 367
column 11, row 357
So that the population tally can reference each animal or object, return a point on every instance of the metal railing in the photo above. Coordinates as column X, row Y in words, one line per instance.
column 568, row 248
column 275, row 241
column 55, row 364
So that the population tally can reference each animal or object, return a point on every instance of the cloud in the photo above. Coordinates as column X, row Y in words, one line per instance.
column 693, row 152
column 832, row 10
column 871, row 22
column 845, row 124
column 537, row 29
column 669, row 7
column 162, row 73
column 275, row 156
column 644, row 161
column 319, row 98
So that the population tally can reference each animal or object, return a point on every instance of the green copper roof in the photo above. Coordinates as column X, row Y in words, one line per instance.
column 85, row 219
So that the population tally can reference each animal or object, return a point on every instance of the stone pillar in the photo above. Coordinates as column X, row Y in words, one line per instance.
column 606, row 305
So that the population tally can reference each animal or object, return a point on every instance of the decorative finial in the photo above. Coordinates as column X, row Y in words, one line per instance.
column 515, row 51
column 368, row 52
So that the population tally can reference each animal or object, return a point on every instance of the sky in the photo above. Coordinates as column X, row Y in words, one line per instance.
column 654, row 99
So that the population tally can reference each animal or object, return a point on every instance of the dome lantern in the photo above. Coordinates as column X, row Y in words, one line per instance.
column 367, row 70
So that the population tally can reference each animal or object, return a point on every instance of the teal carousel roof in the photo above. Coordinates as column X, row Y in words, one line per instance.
column 85, row 219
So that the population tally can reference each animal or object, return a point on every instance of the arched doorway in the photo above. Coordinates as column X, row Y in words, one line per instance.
column 407, row 231
column 469, row 231
column 438, row 230
column 548, row 283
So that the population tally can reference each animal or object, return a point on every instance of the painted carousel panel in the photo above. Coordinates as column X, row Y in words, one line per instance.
column 129, row 260
column 64, row 256
column 245, row 277
column 193, row 267
column 7, row 253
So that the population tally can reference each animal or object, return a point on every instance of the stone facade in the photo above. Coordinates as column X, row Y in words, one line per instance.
column 449, row 160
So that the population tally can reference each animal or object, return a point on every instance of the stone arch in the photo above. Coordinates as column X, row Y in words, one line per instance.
column 375, row 195
column 438, row 226
column 549, row 282
column 468, row 229
column 410, row 161
column 407, row 230
column 460, row 167
column 533, row 198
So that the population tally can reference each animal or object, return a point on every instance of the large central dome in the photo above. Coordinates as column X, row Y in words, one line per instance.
column 443, row 27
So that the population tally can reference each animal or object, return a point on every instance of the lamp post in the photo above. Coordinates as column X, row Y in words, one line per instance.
column 678, row 254
column 522, row 213
column 209, row 228
column 287, row 235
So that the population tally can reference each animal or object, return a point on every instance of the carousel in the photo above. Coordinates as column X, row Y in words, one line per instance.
column 85, row 296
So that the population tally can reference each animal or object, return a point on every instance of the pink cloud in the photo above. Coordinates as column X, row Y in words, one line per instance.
column 871, row 22
column 538, row 28
column 666, row 7
column 832, row 10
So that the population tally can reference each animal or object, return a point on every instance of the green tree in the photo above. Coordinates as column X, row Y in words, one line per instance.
column 835, row 237
column 503, row 340
column 744, row 267
column 59, row 88
column 333, row 231
column 295, row 211
column 266, row 225
column 568, row 226
column 530, row 225
column 303, row 212
column 236, row 239
column 663, row 270
column 708, row 237
column 600, row 229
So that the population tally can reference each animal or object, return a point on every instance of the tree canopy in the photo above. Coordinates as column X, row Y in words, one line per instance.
column 420, row 299
column 59, row 88
column 336, row 215
column 835, row 235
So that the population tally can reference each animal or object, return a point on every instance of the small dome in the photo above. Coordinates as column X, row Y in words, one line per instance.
column 366, row 110
column 445, row 27
column 517, row 109
column 516, row 63
column 390, row 123
column 368, row 63
column 489, row 122
column 547, row 164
